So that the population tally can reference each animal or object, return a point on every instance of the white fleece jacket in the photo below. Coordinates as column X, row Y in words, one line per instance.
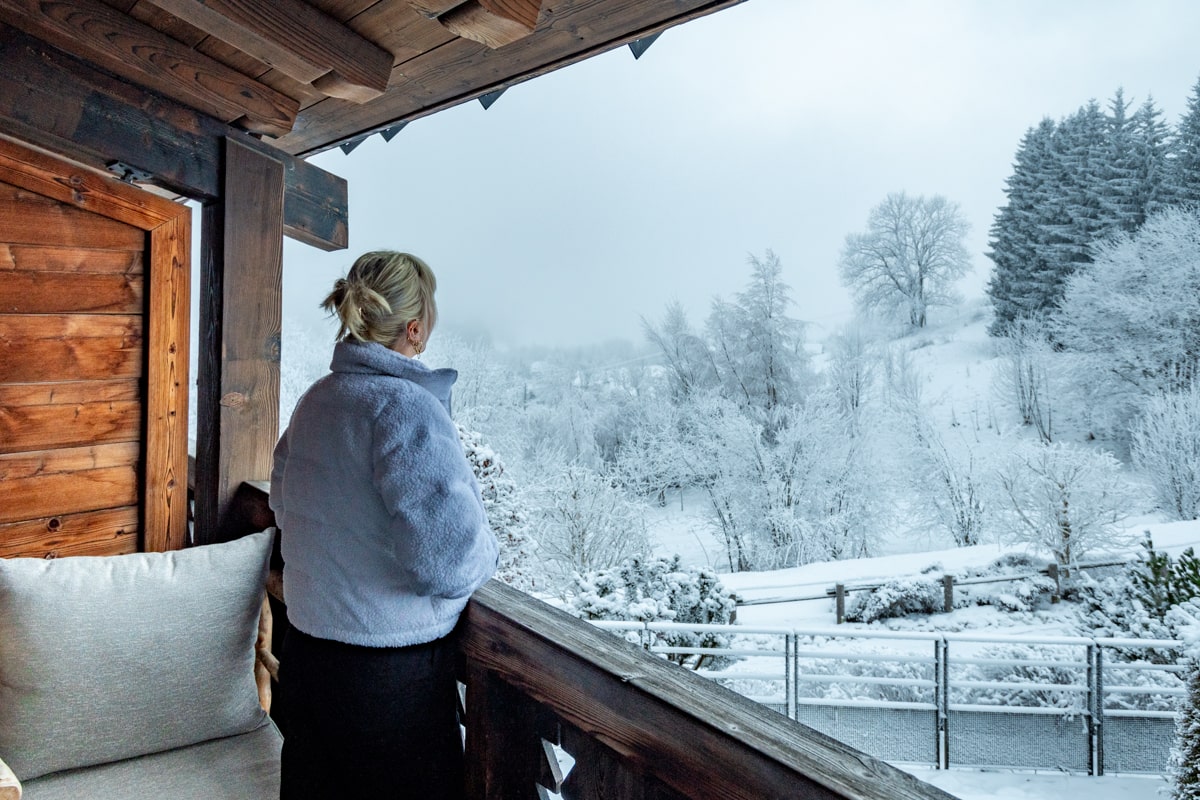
column 384, row 534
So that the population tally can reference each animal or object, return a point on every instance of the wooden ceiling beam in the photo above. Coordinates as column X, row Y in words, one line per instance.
column 136, row 52
column 295, row 38
column 58, row 102
column 493, row 23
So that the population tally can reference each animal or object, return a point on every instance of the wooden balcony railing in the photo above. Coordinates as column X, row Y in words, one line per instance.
column 540, row 682
column 637, row 727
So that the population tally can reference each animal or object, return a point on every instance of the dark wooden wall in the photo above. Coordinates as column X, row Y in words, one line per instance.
column 92, row 416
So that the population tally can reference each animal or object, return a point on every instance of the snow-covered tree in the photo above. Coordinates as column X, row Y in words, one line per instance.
column 653, row 458
column 852, row 371
column 1121, row 202
column 1023, row 375
column 1185, row 166
column 950, row 480
column 582, row 521
column 1065, row 500
column 1166, row 446
column 685, row 354
column 909, row 257
column 1074, row 184
column 1185, row 755
column 1135, row 313
column 1152, row 151
column 507, row 513
column 1017, row 236
column 757, row 347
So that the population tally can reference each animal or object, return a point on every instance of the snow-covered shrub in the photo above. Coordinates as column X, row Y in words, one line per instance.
column 506, row 512
column 659, row 589
column 851, row 668
column 1016, row 596
column 1154, row 690
column 1166, row 446
column 1113, row 608
column 897, row 598
column 1064, row 499
column 1185, row 755
column 1027, row 679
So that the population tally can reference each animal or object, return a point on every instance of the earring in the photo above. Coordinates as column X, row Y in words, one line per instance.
column 418, row 345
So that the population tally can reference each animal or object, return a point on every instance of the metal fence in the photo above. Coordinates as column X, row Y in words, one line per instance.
column 954, row 699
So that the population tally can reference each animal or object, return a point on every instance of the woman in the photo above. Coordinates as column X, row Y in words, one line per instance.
column 384, row 538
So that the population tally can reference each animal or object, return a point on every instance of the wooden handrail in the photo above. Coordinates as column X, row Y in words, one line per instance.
column 637, row 726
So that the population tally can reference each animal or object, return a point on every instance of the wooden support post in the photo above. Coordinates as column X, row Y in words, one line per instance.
column 1052, row 571
column 240, row 321
column 840, row 592
column 948, row 592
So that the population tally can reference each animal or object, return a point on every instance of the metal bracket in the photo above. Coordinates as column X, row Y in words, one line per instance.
column 486, row 100
column 640, row 46
column 127, row 172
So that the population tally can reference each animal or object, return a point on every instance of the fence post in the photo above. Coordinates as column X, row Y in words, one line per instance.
column 1099, row 716
column 1052, row 571
column 840, row 592
column 1091, row 707
column 948, row 592
column 791, row 668
column 941, row 699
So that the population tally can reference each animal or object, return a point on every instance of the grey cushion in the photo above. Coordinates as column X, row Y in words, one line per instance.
column 244, row 767
column 105, row 658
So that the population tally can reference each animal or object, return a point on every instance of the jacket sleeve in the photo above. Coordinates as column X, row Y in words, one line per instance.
column 440, row 530
column 278, row 465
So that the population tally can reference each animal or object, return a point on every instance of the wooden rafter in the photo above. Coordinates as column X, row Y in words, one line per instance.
column 494, row 23
column 138, row 53
column 295, row 38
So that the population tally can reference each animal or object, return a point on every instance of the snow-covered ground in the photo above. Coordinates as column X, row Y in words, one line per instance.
column 979, row 785
column 1171, row 537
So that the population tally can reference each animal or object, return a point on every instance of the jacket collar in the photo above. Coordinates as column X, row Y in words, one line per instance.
column 370, row 358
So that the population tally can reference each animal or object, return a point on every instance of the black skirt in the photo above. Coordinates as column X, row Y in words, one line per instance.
column 369, row 722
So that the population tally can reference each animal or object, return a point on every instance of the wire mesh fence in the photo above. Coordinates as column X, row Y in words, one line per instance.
column 1072, row 704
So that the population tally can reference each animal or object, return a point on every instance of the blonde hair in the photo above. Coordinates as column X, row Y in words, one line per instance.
column 381, row 294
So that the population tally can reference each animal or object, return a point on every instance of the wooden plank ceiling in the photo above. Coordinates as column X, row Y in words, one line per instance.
column 308, row 75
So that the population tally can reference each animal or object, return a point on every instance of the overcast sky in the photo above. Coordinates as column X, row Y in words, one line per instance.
column 591, row 197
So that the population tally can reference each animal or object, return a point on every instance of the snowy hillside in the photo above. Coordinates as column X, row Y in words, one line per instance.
column 965, row 401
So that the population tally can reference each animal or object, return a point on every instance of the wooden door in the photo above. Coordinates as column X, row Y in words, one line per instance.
column 93, row 362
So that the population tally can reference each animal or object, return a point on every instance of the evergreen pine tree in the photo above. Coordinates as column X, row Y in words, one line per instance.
column 1083, row 150
column 1152, row 148
column 1120, row 186
column 1185, row 172
column 1016, row 234
column 1150, row 577
column 1185, row 757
